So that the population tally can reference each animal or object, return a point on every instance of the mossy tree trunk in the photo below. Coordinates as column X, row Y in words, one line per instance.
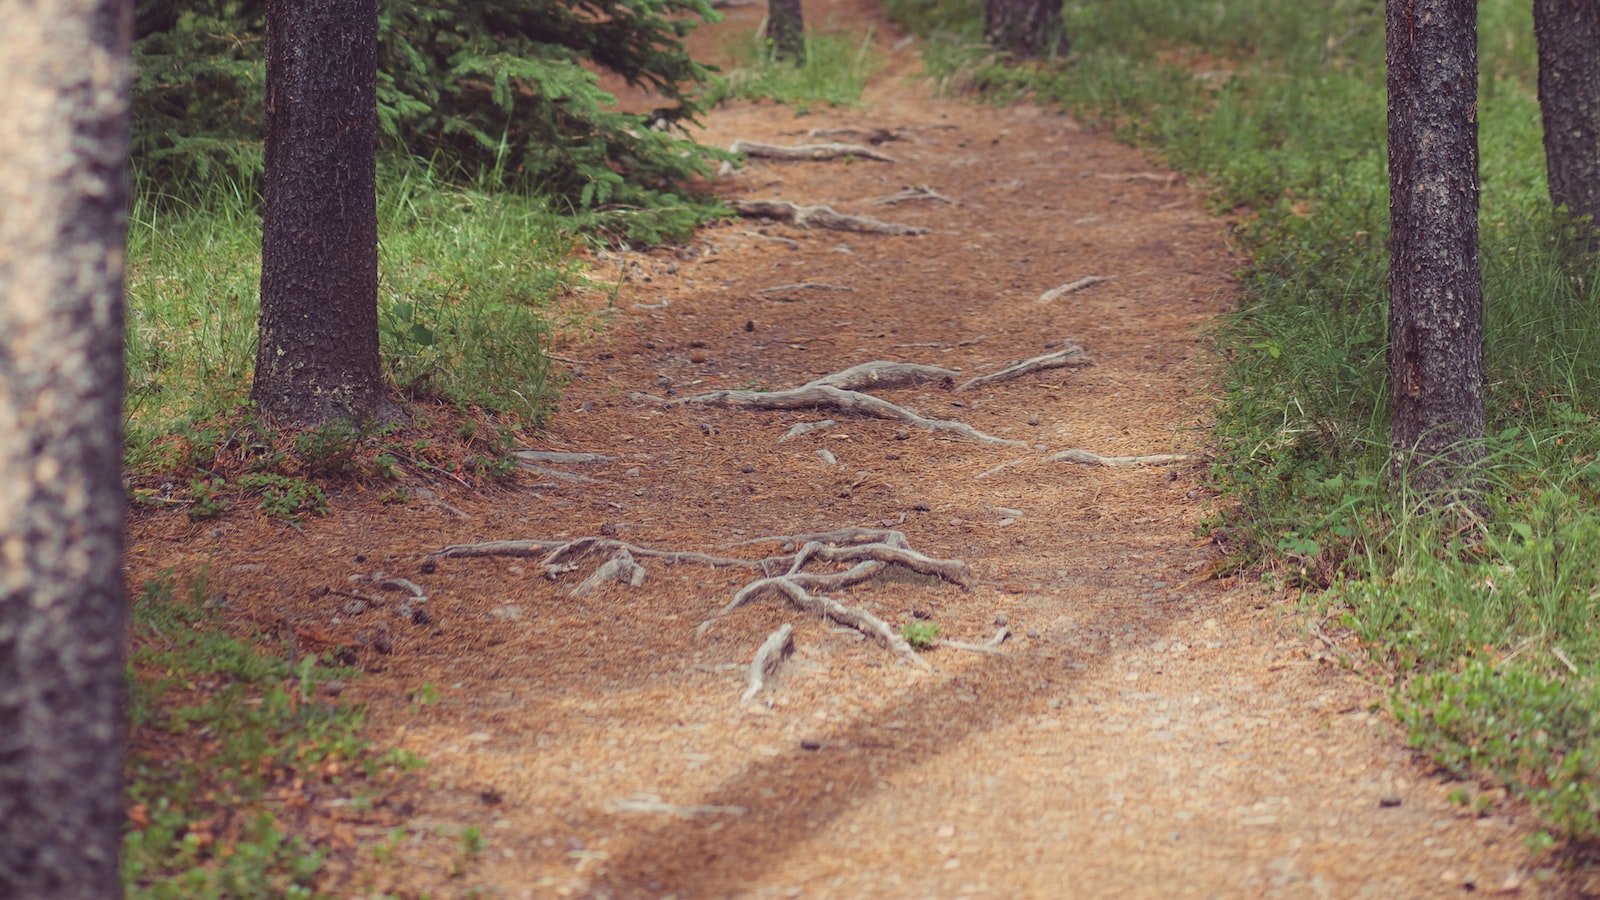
column 1436, row 299
column 1568, row 33
column 786, row 32
column 317, row 360
column 63, row 222
column 1024, row 28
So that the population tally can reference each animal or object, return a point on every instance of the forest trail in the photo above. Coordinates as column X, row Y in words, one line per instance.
column 1147, row 730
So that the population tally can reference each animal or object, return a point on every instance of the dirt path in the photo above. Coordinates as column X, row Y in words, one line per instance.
column 1147, row 732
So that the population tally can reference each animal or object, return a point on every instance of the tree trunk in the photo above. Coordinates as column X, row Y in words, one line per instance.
column 1023, row 28
column 786, row 32
column 1436, row 298
column 1568, row 33
column 63, row 221
column 317, row 360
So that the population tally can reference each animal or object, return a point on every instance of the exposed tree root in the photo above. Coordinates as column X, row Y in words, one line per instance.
column 867, row 135
column 881, row 373
column 845, row 391
column 805, row 428
column 807, row 152
column 836, row 536
column 563, row 457
column 820, row 217
column 1070, row 355
column 825, row 396
column 620, row 568
column 1087, row 458
column 992, row 645
column 787, row 242
column 1071, row 287
column 774, row 652
column 912, row 194
column 557, row 557
column 783, row 575
column 1158, row 177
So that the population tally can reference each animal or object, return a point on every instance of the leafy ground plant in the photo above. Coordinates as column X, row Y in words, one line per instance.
column 1487, row 618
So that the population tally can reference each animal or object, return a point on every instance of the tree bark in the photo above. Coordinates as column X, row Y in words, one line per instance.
column 1568, row 34
column 1025, row 28
column 1436, row 299
column 63, row 222
column 317, row 360
column 786, row 32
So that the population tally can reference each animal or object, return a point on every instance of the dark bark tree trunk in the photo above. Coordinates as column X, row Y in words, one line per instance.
column 63, row 220
column 1023, row 28
column 786, row 32
column 317, row 360
column 1568, row 33
column 1436, row 298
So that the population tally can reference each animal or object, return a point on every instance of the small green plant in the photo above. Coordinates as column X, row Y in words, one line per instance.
column 205, row 498
column 471, row 847
column 426, row 695
column 921, row 635
column 283, row 497
column 329, row 450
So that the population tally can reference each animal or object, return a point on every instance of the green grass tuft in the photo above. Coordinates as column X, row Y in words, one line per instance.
column 465, row 282
column 836, row 71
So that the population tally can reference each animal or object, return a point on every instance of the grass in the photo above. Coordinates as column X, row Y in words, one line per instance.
column 1488, row 624
column 835, row 73
column 233, row 755
column 466, row 281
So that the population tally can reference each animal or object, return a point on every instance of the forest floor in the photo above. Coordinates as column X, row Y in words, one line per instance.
column 1148, row 729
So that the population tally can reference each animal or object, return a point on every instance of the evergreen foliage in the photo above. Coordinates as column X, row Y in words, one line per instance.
column 496, row 90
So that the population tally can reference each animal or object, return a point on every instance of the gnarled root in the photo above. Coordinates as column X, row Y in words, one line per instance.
column 863, row 553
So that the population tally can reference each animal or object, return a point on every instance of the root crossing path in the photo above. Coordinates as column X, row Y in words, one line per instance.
column 1138, row 728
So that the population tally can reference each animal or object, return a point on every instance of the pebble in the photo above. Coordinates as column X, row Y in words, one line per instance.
column 827, row 457
column 508, row 613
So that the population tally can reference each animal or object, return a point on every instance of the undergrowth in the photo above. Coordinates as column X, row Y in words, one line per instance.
column 234, row 755
column 1488, row 622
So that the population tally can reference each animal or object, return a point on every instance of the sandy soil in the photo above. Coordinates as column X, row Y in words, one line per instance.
column 1147, row 730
